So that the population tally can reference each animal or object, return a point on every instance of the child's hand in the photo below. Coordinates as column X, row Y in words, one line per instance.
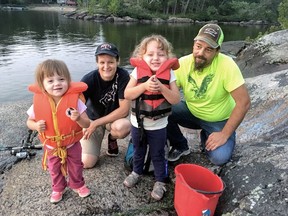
column 153, row 84
column 73, row 114
column 41, row 126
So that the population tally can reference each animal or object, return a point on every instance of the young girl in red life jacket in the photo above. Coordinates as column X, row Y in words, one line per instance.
column 58, row 114
column 152, row 89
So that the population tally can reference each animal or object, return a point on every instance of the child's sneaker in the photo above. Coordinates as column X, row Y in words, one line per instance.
column 83, row 191
column 158, row 190
column 112, row 147
column 56, row 197
column 131, row 180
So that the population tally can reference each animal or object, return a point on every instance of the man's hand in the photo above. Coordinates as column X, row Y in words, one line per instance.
column 215, row 140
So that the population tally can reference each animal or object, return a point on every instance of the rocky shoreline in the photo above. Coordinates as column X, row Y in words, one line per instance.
column 256, row 179
column 83, row 15
column 54, row 7
column 76, row 13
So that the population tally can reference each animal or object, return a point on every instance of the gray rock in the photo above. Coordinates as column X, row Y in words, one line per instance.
column 256, row 178
column 267, row 55
column 179, row 20
column 233, row 48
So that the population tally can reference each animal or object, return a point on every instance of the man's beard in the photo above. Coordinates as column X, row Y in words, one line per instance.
column 200, row 65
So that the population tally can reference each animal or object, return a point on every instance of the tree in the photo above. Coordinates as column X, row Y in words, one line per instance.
column 114, row 6
column 283, row 14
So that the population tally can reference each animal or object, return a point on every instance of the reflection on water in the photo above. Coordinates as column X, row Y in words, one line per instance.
column 29, row 37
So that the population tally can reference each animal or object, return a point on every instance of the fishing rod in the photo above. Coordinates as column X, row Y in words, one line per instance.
column 27, row 145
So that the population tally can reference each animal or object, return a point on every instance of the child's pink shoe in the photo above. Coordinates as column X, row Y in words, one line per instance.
column 83, row 191
column 56, row 197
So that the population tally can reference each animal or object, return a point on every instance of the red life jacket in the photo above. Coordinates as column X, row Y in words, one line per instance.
column 152, row 105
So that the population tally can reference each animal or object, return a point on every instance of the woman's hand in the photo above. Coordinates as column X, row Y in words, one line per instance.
column 87, row 132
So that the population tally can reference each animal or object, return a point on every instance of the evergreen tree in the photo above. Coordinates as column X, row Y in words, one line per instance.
column 283, row 14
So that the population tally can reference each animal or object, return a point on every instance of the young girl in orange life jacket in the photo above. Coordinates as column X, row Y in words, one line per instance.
column 152, row 89
column 58, row 114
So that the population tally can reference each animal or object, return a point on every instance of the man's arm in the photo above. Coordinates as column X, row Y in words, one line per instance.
column 242, row 100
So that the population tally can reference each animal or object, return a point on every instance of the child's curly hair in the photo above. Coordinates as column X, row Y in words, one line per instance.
column 163, row 43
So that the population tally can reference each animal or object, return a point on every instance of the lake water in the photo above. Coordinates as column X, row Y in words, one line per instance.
column 29, row 37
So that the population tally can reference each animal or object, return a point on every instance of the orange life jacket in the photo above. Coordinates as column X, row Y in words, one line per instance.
column 152, row 105
column 60, row 131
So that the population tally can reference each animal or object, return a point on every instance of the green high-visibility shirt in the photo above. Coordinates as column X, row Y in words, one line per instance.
column 207, row 92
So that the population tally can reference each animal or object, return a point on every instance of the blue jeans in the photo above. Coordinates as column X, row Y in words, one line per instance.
column 156, row 139
column 181, row 115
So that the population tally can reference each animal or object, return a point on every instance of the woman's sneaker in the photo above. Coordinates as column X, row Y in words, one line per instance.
column 158, row 190
column 56, row 197
column 113, row 150
column 83, row 191
column 131, row 180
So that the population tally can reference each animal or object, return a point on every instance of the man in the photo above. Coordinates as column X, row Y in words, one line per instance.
column 107, row 107
column 216, row 99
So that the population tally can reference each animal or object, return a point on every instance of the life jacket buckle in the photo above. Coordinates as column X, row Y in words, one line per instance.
column 57, row 138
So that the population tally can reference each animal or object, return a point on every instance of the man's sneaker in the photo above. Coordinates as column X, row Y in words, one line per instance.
column 56, row 197
column 112, row 147
column 175, row 154
column 83, row 191
column 158, row 190
column 131, row 180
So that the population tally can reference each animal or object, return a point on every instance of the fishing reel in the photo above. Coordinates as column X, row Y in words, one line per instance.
column 22, row 153
column 26, row 148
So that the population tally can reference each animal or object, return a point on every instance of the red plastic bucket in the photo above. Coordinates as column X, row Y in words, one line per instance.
column 197, row 190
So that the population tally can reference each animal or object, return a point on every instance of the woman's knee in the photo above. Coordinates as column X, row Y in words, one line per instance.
column 120, row 128
column 89, row 161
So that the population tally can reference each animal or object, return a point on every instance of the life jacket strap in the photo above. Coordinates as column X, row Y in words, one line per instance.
column 63, row 137
column 152, row 97
column 151, row 114
column 145, row 78
column 60, row 152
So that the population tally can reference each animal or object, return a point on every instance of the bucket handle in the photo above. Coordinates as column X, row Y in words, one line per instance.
column 201, row 191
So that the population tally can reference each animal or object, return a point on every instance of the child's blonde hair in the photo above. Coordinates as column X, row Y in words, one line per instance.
column 163, row 43
column 48, row 68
